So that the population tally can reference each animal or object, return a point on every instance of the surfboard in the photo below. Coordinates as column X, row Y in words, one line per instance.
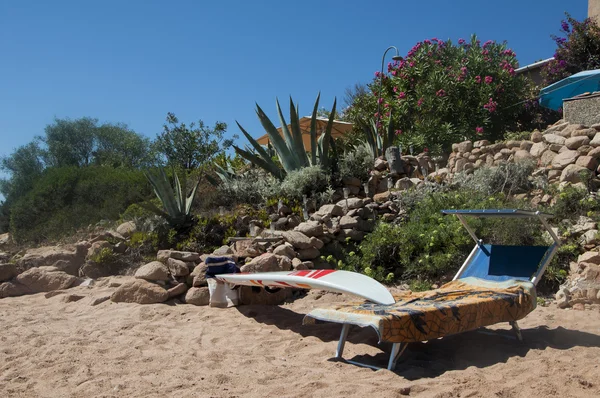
column 325, row 279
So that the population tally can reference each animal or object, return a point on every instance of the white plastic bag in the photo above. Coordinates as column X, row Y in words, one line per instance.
column 221, row 295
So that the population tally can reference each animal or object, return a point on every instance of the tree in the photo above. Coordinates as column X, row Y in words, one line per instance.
column 190, row 147
column 578, row 51
column 24, row 166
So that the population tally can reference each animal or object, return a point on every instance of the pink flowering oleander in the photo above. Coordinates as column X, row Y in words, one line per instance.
column 478, row 79
column 440, row 93
column 395, row 89
column 479, row 130
column 488, row 79
column 402, row 95
column 398, row 132
column 420, row 102
column 461, row 41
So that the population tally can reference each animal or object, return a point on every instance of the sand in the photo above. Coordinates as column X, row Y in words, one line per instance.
column 53, row 348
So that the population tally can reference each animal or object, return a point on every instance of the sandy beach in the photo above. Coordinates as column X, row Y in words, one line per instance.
column 50, row 347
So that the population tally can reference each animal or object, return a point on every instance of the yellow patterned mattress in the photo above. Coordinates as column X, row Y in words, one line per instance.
column 456, row 307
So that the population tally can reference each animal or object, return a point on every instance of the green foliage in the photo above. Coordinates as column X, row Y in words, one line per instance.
column 176, row 206
column 573, row 202
column 442, row 93
column 290, row 147
column 190, row 147
column 509, row 178
column 104, row 256
column 64, row 199
column 306, row 181
column 378, row 142
column 578, row 51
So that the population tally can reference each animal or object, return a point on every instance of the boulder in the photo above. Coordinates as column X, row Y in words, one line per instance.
column 72, row 257
column 536, row 137
column 403, row 184
column 198, row 296
column 465, row 146
column 588, row 162
column 537, row 149
column 153, row 271
column 177, row 290
column 297, row 239
column 247, row 248
column 285, row 250
column 308, row 254
column 224, row 250
column 547, row 158
column 554, row 139
column 564, row 159
column 595, row 142
column 267, row 262
column 330, row 210
column 12, row 289
column 163, row 255
column 45, row 279
column 382, row 197
column 316, row 243
column 310, row 228
column 576, row 142
column 7, row 271
column 522, row 155
column 589, row 257
column 139, row 291
column 572, row 173
column 481, row 143
column 127, row 229
column 197, row 278
column 4, row 239
column 595, row 153
column 97, row 247
column 348, row 222
column 285, row 263
column 353, row 203
column 177, row 267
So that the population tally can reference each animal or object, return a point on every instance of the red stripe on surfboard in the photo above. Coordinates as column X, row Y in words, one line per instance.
column 313, row 274
column 283, row 283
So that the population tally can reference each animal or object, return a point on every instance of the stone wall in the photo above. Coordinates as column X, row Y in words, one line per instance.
column 584, row 109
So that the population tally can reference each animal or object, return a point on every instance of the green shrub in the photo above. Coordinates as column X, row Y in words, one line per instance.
column 306, row 181
column 573, row 202
column 105, row 256
column 508, row 178
column 253, row 186
column 67, row 198
column 356, row 163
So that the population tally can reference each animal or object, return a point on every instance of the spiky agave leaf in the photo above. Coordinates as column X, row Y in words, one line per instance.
column 286, row 157
column 313, row 131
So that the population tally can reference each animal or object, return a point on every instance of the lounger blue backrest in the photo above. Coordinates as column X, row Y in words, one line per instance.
column 500, row 263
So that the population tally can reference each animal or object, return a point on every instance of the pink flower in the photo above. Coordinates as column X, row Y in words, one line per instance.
column 485, row 52
column 425, row 149
column 491, row 105
column 440, row 93
column 461, row 41
column 402, row 95
column 488, row 79
column 380, row 100
column 487, row 43
column 420, row 102
column 398, row 132
column 411, row 64
column 479, row 130
column 395, row 89
column 478, row 79
column 386, row 105
column 394, row 73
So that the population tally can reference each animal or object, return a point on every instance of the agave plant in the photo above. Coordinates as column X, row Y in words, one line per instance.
column 176, row 206
column 377, row 142
column 290, row 148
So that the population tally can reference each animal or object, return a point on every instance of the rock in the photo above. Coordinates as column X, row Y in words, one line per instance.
column 588, row 162
column 98, row 299
column 45, row 279
column 7, row 271
column 127, row 229
column 197, row 278
column 395, row 163
column 316, row 243
column 285, row 263
column 163, row 255
column 330, row 210
column 576, row 142
column 589, row 257
column 572, row 173
column 481, row 143
column 554, row 139
column 351, row 181
column 97, row 247
column 382, row 197
column 589, row 237
column 380, row 164
column 512, row 144
column 177, row 290
column 120, row 247
column 153, row 271
column 558, row 126
column 71, row 298
column 547, row 158
column 297, row 239
column 366, row 225
column 595, row 153
column 293, row 221
column 348, row 222
column 72, row 257
column 310, row 228
column 308, row 254
column 267, row 262
column 596, row 140
column 526, row 145
column 295, row 262
column 353, row 203
column 522, row 155
column 564, row 159
column 178, row 267
column 4, row 239
column 283, row 210
column 584, row 149
column 247, row 248
column 403, row 184
column 353, row 234
column 198, row 296
column 465, row 146
column 224, row 250
column 280, row 224
column 537, row 149
column 139, row 291
column 536, row 136
column 12, row 289
column 285, row 250
column 300, row 266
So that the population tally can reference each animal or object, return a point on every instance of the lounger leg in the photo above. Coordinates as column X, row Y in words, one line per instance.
column 517, row 330
column 342, row 342
column 397, row 350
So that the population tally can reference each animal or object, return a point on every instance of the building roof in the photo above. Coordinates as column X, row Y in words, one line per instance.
column 533, row 66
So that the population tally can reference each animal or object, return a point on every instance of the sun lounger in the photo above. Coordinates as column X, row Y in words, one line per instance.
column 495, row 284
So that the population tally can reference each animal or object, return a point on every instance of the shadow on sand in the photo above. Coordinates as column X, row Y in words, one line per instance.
column 480, row 348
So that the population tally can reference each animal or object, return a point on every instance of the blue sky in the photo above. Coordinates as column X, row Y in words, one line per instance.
column 134, row 61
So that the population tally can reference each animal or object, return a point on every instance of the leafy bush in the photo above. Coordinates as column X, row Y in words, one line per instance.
column 253, row 186
column 64, row 199
column 356, row 163
column 578, row 51
column 442, row 93
column 507, row 178
column 306, row 181
column 573, row 202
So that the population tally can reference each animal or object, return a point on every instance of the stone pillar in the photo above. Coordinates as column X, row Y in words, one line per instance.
column 594, row 10
column 392, row 155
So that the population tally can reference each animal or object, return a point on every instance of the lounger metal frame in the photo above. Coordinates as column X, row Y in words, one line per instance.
column 398, row 348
